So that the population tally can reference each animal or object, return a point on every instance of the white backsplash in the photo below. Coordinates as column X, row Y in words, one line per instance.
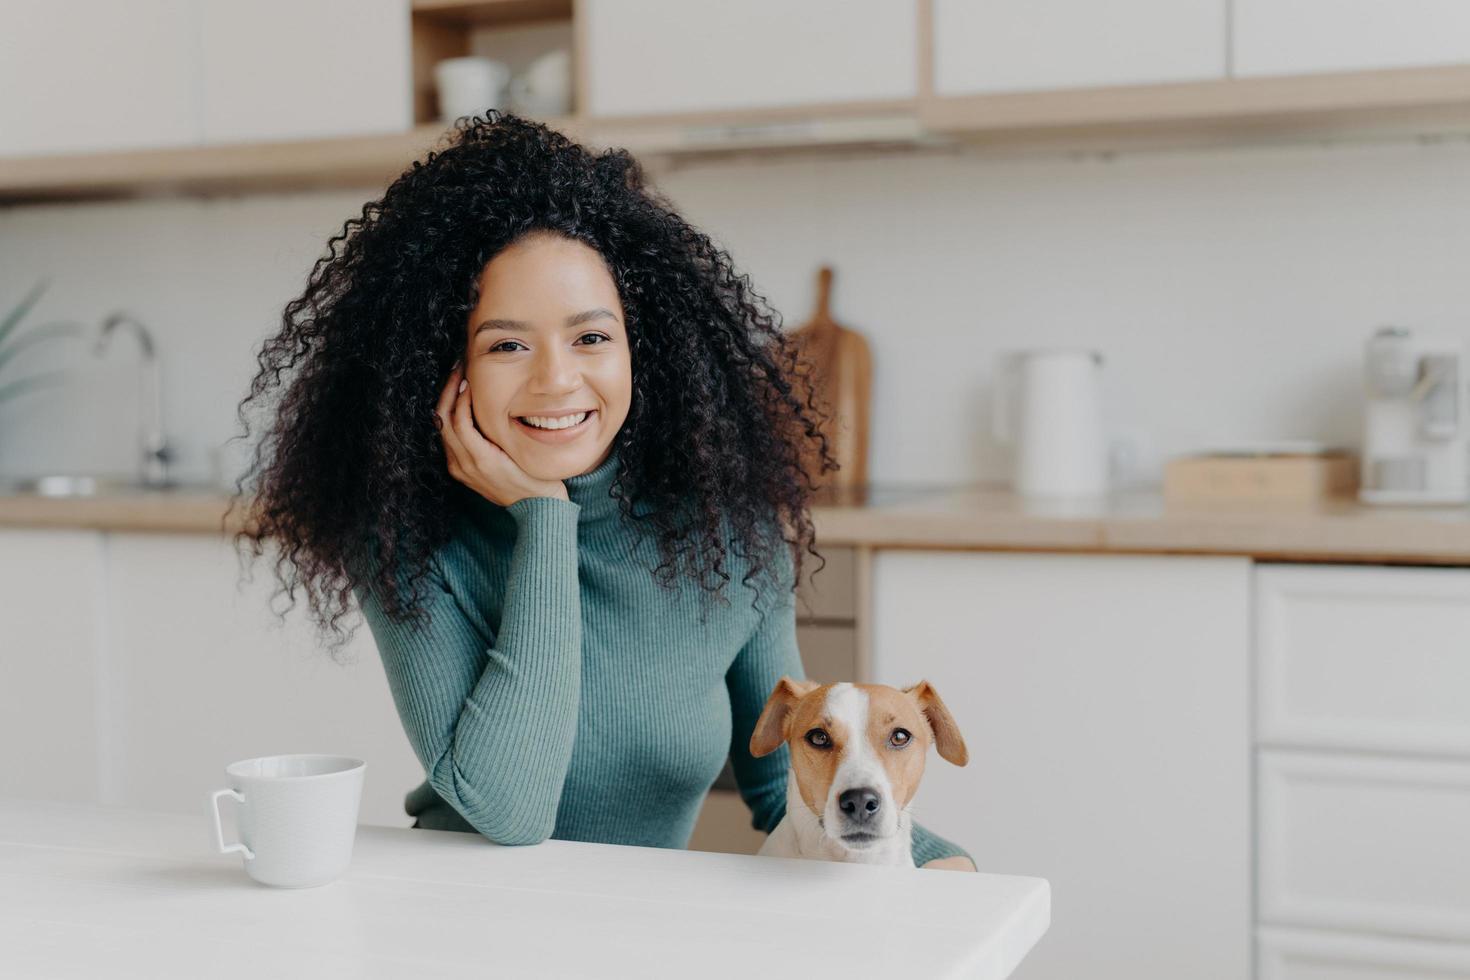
column 1230, row 290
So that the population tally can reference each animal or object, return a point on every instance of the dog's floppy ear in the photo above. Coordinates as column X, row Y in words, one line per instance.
column 770, row 727
column 947, row 737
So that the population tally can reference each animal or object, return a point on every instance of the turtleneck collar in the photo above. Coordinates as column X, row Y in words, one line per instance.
column 592, row 491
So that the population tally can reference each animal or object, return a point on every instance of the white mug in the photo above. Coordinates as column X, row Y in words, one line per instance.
column 545, row 88
column 297, row 817
column 1048, row 404
column 468, row 86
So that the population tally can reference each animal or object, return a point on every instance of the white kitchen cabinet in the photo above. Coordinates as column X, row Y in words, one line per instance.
column 664, row 56
column 94, row 75
column 1290, row 37
column 1300, row 954
column 51, row 670
column 204, row 674
column 1106, row 705
column 1363, row 763
column 1366, row 843
column 987, row 46
column 1365, row 658
column 281, row 69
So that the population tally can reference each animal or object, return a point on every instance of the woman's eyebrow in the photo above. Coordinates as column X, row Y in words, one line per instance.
column 572, row 321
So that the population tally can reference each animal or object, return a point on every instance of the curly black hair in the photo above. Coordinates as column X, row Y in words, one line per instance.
column 721, row 434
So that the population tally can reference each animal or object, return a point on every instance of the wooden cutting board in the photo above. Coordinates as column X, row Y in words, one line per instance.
column 840, row 369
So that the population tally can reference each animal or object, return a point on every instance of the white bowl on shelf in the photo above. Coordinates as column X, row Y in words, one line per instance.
column 469, row 86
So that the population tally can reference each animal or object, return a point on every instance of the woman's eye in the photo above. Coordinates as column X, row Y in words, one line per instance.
column 899, row 738
column 502, row 345
column 817, row 738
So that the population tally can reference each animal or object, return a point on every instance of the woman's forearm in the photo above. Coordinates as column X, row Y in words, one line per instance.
column 494, row 727
column 512, row 746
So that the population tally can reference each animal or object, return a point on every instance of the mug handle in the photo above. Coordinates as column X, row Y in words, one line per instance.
column 219, row 831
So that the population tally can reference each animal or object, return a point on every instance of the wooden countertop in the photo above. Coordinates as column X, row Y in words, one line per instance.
column 993, row 518
column 981, row 518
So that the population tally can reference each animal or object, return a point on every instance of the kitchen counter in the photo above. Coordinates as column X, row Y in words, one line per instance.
column 993, row 518
column 191, row 512
column 981, row 518
column 94, row 891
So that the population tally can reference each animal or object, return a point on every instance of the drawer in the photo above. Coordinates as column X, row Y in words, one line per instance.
column 828, row 653
column 1371, row 658
column 1297, row 954
column 1357, row 842
column 831, row 592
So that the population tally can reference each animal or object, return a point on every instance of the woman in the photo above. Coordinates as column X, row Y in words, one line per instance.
column 520, row 366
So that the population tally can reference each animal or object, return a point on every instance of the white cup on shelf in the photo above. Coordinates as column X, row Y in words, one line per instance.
column 469, row 86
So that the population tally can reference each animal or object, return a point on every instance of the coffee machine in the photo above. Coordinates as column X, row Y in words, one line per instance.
column 1416, row 448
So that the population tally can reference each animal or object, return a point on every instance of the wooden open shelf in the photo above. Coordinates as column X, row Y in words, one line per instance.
column 442, row 29
column 1395, row 101
column 289, row 165
column 374, row 161
column 497, row 13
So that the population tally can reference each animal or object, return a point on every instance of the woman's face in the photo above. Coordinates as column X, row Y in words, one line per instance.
column 547, row 341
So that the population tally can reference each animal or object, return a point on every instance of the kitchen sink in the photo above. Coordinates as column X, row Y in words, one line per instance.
column 79, row 485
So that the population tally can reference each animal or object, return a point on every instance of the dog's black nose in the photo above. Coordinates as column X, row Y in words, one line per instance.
column 859, row 805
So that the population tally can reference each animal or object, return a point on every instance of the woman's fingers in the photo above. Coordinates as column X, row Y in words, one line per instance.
column 445, row 409
column 477, row 461
column 446, row 393
column 472, row 458
column 477, row 450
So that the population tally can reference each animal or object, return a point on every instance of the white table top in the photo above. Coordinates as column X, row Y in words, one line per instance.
column 92, row 891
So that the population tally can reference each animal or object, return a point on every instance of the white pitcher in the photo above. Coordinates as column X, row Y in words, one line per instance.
column 1047, row 405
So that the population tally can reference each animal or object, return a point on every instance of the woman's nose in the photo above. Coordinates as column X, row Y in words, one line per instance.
column 555, row 370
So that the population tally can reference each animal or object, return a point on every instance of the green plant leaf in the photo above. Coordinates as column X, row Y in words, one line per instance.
column 17, row 388
column 14, row 316
column 41, row 334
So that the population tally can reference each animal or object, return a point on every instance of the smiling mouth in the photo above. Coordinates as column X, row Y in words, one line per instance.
column 589, row 415
column 860, row 839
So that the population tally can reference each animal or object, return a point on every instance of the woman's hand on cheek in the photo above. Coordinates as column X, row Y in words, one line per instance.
column 477, row 462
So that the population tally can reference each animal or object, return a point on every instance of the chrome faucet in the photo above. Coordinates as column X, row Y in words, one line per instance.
column 152, row 444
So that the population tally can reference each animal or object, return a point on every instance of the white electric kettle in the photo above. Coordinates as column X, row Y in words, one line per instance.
column 1047, row 404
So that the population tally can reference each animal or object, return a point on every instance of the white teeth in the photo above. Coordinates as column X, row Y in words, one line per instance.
column 566, row 422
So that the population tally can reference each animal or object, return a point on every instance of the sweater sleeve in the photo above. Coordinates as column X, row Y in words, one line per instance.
column 771, row 652
column 493, row 719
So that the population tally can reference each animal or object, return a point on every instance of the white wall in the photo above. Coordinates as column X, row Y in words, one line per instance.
column 1231, row 290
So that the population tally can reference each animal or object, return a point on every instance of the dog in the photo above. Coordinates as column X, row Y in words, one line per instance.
column 857, row 753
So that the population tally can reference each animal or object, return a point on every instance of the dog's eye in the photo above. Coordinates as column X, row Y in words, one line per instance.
column 899, row 738
column 818, row 738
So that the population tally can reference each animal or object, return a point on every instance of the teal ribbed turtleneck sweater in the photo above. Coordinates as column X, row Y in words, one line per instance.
column 559, row 691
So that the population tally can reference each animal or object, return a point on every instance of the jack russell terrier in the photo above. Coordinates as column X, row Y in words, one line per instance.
column 857, row 752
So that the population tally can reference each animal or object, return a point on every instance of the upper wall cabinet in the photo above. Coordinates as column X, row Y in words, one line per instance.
column 275, row 69
column 1288, row 37
column 645, row 57
column 96, row 75
column 985, row 46
column 91, row 75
